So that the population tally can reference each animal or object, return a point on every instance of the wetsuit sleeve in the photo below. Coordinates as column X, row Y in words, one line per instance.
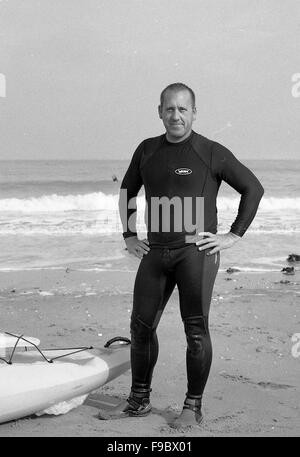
column 225, row 166
column 130, row 186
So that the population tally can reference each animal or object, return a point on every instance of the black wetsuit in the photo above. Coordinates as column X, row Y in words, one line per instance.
column 192, row 168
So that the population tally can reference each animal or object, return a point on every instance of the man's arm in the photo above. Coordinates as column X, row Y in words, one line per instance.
column 130, row 186
column 227, row 167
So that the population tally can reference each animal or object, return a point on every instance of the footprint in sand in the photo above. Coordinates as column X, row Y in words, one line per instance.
column 224, row 418
column 263, row 384
column 273, row 385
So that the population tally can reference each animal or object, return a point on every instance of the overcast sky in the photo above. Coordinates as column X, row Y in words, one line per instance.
column 83, row 77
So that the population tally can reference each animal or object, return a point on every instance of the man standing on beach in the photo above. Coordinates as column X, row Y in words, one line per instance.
column 179, row 170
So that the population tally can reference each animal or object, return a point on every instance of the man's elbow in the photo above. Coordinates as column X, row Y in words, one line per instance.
column 254, row 193
column 260, row 191
column 257, row 191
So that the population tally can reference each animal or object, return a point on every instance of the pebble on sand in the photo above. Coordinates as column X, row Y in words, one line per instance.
column 232, row 270
column 288, row 270
column 293, row 258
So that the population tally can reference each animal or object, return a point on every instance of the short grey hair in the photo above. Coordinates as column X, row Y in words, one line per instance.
column 177, row 87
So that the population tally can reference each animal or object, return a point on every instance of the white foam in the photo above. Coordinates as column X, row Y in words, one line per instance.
column 98, row 214
column 58, row 203
column 98, row 201
column 267, row 204
column 249, row 270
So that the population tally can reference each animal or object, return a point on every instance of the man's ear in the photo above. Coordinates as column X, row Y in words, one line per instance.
column 194, row 113
column 159, row 111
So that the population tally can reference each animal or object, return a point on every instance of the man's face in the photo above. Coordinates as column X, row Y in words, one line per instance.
column 178, row 114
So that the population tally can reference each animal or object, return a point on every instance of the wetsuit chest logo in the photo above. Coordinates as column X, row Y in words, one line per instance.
column 183, row 171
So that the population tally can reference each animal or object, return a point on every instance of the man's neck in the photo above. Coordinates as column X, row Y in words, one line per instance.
column 178, row 140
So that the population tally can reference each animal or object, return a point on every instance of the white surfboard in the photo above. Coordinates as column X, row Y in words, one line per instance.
column 9, row 340
column 36, row 381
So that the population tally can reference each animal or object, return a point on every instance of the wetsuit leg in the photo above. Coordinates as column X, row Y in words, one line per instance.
column 153, row 287
column 195, row 275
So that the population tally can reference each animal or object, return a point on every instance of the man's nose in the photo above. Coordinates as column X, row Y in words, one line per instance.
column 175, row 115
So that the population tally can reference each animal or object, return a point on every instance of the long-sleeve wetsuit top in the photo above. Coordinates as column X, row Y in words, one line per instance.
column 184, row 172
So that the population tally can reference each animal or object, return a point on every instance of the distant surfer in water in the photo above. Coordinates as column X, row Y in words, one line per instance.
column 180, row 170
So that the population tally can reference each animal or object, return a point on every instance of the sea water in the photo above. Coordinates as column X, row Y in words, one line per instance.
column 54, row 214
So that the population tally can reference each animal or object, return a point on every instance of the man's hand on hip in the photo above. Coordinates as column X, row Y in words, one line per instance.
column 137, row 247
column 216, row 242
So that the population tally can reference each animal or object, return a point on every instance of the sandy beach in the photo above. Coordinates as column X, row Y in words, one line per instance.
column 253, row 388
